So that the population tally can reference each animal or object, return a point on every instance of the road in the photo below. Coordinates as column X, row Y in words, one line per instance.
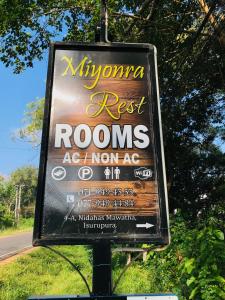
column 13, row 244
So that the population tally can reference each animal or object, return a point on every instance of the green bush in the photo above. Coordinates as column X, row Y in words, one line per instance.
column 203, row 267
column 193, row 265
column 6, row 219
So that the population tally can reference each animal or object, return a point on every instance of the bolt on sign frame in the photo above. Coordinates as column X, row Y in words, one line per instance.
column 102, row 172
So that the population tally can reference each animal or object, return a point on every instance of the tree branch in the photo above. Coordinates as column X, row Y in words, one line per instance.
column 129, row 28
column 220, row 33
column 62, row 9
column 198, row 32
column 128, row 16
column 207, row 17
column 151, row 10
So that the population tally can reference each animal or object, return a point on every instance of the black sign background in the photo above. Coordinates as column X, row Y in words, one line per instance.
column 60, row 226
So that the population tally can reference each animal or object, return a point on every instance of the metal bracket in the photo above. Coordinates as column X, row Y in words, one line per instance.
column 104, row 22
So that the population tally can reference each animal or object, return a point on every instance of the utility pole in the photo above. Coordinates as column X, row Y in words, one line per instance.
column 18, row 202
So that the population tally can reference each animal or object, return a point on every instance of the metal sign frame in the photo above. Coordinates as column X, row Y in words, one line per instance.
column 163, row 237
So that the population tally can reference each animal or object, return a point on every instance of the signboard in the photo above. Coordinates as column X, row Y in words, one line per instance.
column 102, row 173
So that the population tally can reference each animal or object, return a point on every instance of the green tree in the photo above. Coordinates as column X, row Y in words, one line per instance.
column 189, row 36
column 26, row 177
column 31, row 132
column 7, row 203
column 8, row 195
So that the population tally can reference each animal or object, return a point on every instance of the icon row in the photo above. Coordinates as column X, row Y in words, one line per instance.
column 85, row 173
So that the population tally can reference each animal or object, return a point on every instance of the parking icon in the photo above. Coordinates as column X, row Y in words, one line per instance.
column 85, row 173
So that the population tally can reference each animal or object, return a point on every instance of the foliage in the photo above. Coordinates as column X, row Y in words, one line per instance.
column 6, row 219
column 27, row 27
column 25, row 224
column 27, row 178
column 33, row 120
column 7, row 194
column 204, row 269
column 192, row 266
column 216, row 216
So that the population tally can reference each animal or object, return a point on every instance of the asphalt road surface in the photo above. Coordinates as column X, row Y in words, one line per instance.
column 13, row 244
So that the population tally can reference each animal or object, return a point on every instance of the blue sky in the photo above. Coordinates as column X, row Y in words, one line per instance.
column 16, row 90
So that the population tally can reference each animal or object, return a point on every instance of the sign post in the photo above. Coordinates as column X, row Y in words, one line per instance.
column 102, row 270
column 102, row 174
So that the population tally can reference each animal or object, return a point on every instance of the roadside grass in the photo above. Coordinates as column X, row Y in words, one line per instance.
column 136, row 280
column 44, row 273
column 24, row 225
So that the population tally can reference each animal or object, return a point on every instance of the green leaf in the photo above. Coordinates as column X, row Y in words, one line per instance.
column 219, row 234
column 193, row 293
column 189, row 265
column 220, row 279
column 221, row 294
column 191, row 280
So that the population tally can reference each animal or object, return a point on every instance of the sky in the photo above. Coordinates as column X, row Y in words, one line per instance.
column 16, row 90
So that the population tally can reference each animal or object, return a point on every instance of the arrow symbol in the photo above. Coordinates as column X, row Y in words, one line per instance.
column 146, row 225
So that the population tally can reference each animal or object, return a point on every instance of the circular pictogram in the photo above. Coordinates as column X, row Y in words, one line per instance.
column 58, row 173
column 85, row 173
